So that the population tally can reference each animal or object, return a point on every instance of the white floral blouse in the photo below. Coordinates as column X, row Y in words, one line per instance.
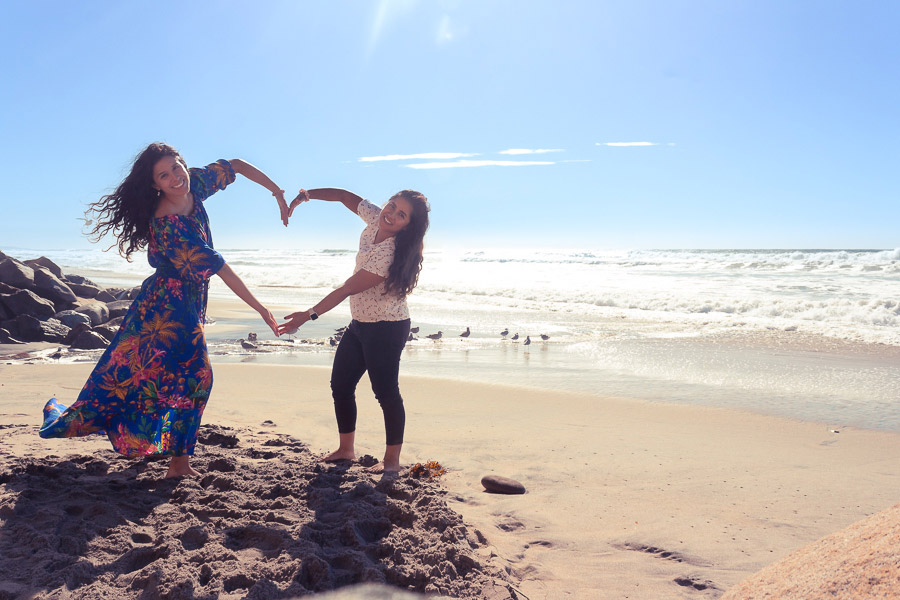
column 373, row 304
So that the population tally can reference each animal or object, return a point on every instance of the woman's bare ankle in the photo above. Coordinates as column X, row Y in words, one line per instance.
column 339, row 454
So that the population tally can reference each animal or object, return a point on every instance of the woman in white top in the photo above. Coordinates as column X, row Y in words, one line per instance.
column 387, row 269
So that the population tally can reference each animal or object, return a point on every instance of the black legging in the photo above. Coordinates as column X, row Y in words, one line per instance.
column 376, row 348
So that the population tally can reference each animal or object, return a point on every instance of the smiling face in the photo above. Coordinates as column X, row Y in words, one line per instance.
column 170, row 177
column 395, row 215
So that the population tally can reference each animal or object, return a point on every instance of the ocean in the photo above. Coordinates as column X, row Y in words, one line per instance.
column 807, row 334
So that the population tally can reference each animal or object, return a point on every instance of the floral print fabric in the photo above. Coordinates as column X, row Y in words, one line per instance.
column 149, row 389
column 372, row 305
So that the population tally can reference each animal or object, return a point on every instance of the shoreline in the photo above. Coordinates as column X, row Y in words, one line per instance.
column 793, row 375
column 614, row 485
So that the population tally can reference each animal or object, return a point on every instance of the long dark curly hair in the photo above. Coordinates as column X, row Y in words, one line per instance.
column 409, row 245
column 128, row 211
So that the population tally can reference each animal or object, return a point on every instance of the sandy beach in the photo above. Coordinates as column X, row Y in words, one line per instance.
column 626, row 499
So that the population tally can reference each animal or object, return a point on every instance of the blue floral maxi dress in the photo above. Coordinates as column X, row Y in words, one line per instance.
column 149, row 389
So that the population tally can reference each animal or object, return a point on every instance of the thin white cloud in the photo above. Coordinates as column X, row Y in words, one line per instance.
column 620, row 144
column 422, row 156
column 445, row 30
column 387, row 11
column 478, row 163
column 530, row 151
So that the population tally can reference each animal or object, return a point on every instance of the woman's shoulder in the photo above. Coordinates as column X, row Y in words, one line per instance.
column 206, row 181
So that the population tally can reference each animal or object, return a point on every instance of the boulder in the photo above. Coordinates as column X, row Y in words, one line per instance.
column 104, row 296
column 26, row 302
column 106, row 330
column 70, row 318
column 89, row 340
column 115, row 322
column 11, row 326
column 75, row 332
column 80, row 280
column 7, row 338
column 5, row 288
column 46, row 263
column 16, row 274
column 83, row 290
column 96, row 311
column 33, row 330
column 28, row 328
column 50, row 287
column 129, row 294
column 118, row 308
column 82, row 286
column 502, row 485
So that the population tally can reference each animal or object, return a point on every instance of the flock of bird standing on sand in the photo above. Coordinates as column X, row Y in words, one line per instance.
column 250, row 342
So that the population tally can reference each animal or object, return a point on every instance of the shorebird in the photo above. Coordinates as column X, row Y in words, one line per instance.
column 545, row 337
column 465, row 333
column 414, row 329
column 56, row 355
column 505, row 332
column 332, row 341
column 247, row 345
column 411, row 337
column 527, row 340
column 515, row 337
column 435, row 336
column 251, row 336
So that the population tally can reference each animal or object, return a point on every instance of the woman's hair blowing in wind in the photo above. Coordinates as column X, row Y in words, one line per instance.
column 409, row 245
column 128, row 211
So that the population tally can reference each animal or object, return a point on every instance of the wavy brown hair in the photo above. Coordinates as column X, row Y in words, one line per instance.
column 409, row 244
column 128, row 211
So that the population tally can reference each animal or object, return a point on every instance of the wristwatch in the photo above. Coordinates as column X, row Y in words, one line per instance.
column 313, row 315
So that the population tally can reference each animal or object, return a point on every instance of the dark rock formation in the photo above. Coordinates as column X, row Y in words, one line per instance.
column 16, row 274
column 46, row 263
column 31, row 329
column 38, row 302
column 89, row 340
column 70, row 318
column 50, row 287
column 26, row 302
column 97, row 312
column 106, row 330
column 82, row 286
column 118, row 308
column 7, row 338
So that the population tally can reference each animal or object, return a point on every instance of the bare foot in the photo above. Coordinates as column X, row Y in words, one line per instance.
column 339, row 455
column 181, row 467
column 381, row 468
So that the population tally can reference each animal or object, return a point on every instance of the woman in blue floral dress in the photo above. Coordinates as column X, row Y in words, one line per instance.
column 148, row 391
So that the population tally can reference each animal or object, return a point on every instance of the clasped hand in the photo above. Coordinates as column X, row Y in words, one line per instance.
column 294, row 321
column 287, row 211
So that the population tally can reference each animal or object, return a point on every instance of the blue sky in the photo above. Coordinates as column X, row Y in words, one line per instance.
column 594, row 124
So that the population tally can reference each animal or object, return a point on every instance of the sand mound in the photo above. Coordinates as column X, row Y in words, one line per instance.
column 265, row 521
column 860, row 562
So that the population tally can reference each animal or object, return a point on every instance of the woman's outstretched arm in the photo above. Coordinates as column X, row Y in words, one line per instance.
column 252, row 173
column 347, row 198
column 237, row 286
column 359, row 282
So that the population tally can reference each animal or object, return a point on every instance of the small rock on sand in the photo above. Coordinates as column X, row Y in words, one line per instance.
column 497, row 484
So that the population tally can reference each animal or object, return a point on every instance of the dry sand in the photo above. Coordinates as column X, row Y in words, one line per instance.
column 625, row 499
